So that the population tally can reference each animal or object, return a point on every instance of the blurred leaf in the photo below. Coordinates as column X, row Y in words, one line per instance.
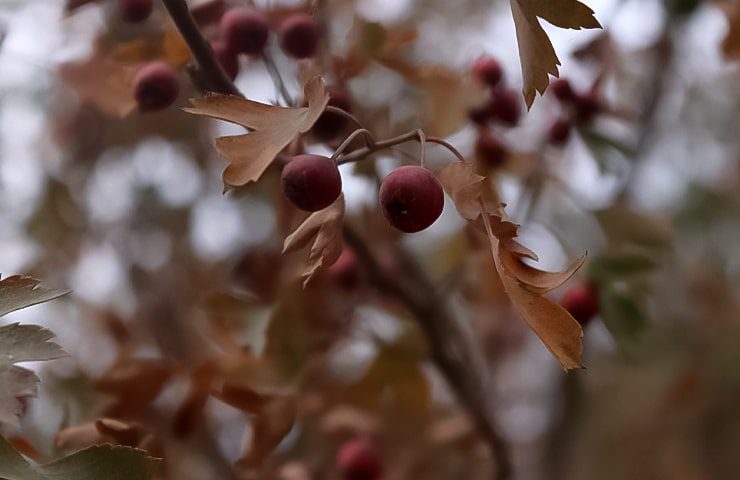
column 271, row 127
column 325, row 229
column 134, row 384
column 536, row 52
column 18, row 292
column 475, row 200
column 731, row 42
column 610, row 266
column 601, row 144
column 269, row 428
column 623, row 315
column 95, row 463
column 626, row 226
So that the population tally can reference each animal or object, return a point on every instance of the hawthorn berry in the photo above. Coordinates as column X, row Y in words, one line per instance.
column 488, row 70
column 311, row 182
column 330, row 124
column 300, row 35
column 155, row 87
column 504, row 107
column 587, row 106
column 489, row 150
column 135, row 11
column 227, row 58
column 345, row 272
column 582, row 302
column 562, row 90
column 559, row 131
column 411, row 198
column 359, row 460
column 244, row 30
column 479, row 115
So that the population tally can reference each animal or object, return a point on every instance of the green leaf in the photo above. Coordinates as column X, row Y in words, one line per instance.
column 18, row 292
column 623, row 315
column 103, row 462
column 614, row 266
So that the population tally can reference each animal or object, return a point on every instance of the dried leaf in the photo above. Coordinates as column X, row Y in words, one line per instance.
column 325, row 229
column 536, row 52
column 94, row 463
column 273, row 128
column 268, row 429
column 18, row 292
column 22, row 343
column 524, row 284
column 731, row 42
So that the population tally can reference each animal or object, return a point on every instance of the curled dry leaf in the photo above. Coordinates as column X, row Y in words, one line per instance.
column 325, row 229
column 525, row 285
column 536, row 52
column 271, row 127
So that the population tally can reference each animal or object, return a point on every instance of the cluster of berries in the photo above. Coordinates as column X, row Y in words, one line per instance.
column 243, row 31
column 502, row 107
column 578, row 108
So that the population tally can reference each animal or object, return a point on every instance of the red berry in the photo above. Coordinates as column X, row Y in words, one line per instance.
column 504, row 107
column 245, row 30
column 488, row 70
column 359, row 460
column 135, row 11
column 155, row 87
column 228, row 59
column 311, row 182
column 345, row 272
column 330, row 124
column 582, row 302
column 559, row 131
column 562, row 90
column 479, row 115
column 411, row 198
column 489, row 150
column 300, row 35
column 587, row 106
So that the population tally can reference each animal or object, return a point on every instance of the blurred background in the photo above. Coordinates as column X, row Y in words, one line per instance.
column 126, row 209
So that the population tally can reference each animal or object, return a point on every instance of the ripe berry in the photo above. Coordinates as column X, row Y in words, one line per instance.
column 479, row 115
column 582, row 302
column 311, row 182
column 300, row 35
column 587, row 106
column 562, row 90
column 330, row 124
column 411, row 198
column 359, row 460
column 245, row 30
column 504, row 107
column 559, row 131
column 228, row 59
column 155, row 87
column 135, row 11
column 345, row 272
column 489, row 150
column 488, row 70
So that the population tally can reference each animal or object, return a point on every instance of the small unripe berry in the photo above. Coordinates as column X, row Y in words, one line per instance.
column 487, row 70
column 345, row 272
column 562, row 90
column 582, row 302
column 155, row 87
column 504, row 107
column 559, row 131
column 245, row 30
column 587, row 106
column 359, row 460
column 228, row 59
column 330, row 124
column 489, row 150
column 479, row 115
column 311, row 182
column 135, row 11
column 299, row 36
column 411, row 198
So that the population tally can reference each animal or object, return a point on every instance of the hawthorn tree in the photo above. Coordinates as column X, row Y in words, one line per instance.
column 342, row 344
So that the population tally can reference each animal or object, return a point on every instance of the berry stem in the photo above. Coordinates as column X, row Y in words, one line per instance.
column 345, row 114
column 214, row 76
column 369, row 139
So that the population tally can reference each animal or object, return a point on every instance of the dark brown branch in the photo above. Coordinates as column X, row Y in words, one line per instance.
column 210, row 70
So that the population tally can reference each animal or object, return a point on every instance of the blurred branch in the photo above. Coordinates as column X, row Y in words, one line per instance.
column 211, row 72
column 456, row 356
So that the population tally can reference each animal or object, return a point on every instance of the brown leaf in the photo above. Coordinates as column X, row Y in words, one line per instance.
column 325, row 229
column 536, row 52
column 272, row 129
column 241, row 397
column 134, row 384
column 269, row 429
column 523, row 283
column 731, row 42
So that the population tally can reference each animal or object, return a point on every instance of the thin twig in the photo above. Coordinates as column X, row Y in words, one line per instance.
column 277, row 79
column 213, row 74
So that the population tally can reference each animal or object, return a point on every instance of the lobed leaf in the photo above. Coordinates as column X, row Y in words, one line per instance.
column 18, row 292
